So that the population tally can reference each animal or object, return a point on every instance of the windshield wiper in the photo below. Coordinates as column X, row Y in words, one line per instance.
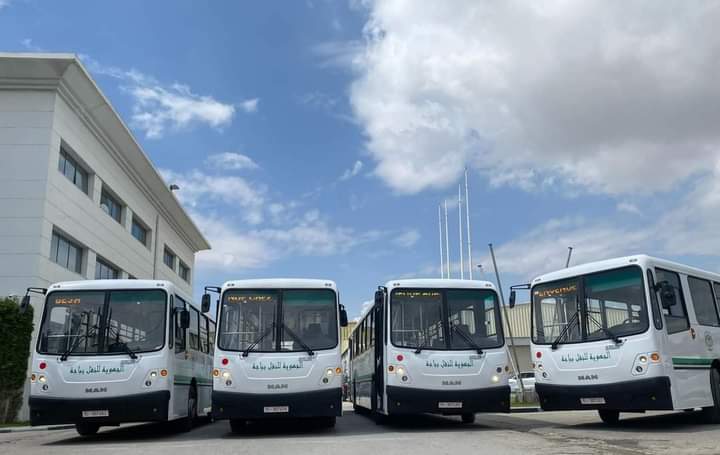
column 79, row 337
column 298, row 339
column 605, row 330
column 565, row 330
column 267, row 332
column 422, row 345
column 468, row 338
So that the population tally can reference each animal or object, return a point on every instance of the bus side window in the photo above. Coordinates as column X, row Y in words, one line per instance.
column 194, row 329
column 657, row 314
column 676, row 316
column 716, row 288
column 179, row 332
column 703, row 300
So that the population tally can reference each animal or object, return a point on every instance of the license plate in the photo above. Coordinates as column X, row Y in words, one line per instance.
column 450, row 405
column 276, row 409
column 593, row 400
column 96, row 413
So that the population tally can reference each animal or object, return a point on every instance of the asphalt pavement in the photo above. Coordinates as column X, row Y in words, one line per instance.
column 534, row 433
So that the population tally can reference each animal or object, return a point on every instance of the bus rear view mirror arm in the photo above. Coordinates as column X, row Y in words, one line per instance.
column 667, row 294
column 184, row 319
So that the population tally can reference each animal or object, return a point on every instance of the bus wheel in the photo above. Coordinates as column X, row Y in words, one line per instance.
column 711, row 414
column 86, row 429
column 189, row 421
column 237, row 425
column 468, row 418
column 608, row 416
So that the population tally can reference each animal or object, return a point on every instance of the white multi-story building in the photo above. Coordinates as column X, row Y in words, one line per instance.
column 79, row 199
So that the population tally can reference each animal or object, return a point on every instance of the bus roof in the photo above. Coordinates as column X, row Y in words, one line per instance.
column 286, row 283
column 110, row 284
column 614, row 263
column 439, row 283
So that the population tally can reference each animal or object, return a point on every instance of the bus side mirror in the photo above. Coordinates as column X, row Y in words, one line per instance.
column 667, row 295
column 343, row 316
column 205, row 306
column 24, row 304
column 379, row 297
column 184, row 319
column 513, row 296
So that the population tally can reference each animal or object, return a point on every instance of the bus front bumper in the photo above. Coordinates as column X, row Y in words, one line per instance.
column 145, row 407
column 637, row 395
column 407, row 400
column 233, row 405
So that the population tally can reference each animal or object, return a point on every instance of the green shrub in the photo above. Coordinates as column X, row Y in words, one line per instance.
column 15, row 335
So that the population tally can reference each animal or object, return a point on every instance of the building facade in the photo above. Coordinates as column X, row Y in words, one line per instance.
column 79, row 198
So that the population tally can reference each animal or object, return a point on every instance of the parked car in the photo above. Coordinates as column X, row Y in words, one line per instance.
column 528, row 380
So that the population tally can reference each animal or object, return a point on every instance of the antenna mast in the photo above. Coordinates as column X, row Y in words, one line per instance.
column 460, row 229
column 447, row 243
column 442, row 263
column 567, row 263
column 467, row 219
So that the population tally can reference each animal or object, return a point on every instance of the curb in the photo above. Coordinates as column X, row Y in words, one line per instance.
column 38, row 428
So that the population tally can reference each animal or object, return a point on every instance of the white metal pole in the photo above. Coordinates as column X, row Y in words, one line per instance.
column 467, row 219
column 447, row 243
column 442, row 262
column 460, row 230
column 513, row 357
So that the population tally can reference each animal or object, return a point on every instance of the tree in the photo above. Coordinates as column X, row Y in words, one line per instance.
column 15, row 334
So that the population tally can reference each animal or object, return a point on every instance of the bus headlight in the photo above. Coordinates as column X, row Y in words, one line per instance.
column 329, row 372
column 495, row 378
column 42, row 379
column 640, row 365
column 401, row 371
column 226, row 375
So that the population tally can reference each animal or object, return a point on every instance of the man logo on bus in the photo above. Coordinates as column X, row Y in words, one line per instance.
column 588, row 377
column 95, row 389
column 277, row 386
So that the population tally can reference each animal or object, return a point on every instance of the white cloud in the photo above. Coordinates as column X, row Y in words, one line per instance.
column 4, row 4
column 340, row 54
column 407, row 239
column 604, row 97
column 628, row 207
column 27, row 43
column 250, row 105
column 364, row 308
column 159, row 107
column 231, row 161
column 198, row 188
column 353, row 171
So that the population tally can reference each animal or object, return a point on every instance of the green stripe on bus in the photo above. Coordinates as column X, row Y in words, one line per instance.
column 692, row 361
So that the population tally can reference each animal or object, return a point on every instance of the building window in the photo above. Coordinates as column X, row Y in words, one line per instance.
column 139, row 231
column 184, row 272
column 70, row 168
column 105, row 271
column 169, row 258
column 111, row 206
column 66, row 253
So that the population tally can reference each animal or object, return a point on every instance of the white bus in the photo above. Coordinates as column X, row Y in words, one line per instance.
column 116, row 351
column 431, row 346
column 627, row 335
column 278, row 351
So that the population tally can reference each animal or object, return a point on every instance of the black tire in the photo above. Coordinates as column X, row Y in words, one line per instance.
column 468, row 418
column 87, row 429
column 238, row 426
column 188, row 422
column 609, row 416
column 711, row 414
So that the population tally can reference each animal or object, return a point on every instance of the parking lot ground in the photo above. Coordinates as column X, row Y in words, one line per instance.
column 535, row 433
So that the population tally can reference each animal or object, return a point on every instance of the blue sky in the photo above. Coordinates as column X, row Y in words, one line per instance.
column 316, row 138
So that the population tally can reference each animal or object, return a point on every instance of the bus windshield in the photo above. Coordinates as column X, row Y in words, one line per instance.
column 445, row 319
column 103, row 322
column 278, row 320
column 598, row 306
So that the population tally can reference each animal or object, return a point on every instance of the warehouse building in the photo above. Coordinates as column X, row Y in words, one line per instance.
column 79, row 198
